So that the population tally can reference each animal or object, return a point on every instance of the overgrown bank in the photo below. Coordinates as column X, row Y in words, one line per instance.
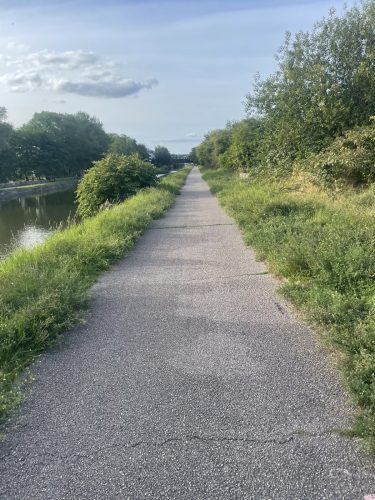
column 324, row 245
column 43, row 290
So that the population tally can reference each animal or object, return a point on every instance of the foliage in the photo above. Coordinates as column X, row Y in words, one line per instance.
column 349, row 159
column 162, row 157
column 235, row 147
column 112, row 180
column 243, row 151
column 325, row 248
column 124, row 145
column 43, row 290
column 314, row 113
column 59, row 144
column 215, row 144
column 323, row 87
column 7, row 158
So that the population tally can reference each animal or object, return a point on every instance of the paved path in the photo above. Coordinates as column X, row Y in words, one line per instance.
column 190, row 380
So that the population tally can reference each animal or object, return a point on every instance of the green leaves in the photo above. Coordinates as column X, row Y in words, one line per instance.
column 324, row 84
column 350, row 159
column 111, row 180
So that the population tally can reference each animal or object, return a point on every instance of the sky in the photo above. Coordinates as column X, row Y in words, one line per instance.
column 161, row 71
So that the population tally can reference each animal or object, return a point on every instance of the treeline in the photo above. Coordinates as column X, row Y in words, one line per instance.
column 315, row 113
column 54, row 145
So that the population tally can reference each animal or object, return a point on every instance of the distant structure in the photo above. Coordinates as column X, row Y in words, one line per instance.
column 180, row 158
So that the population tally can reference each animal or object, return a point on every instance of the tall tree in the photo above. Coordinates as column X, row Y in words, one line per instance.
column 7, row 157
column 122, row 144
column 324, row 84
column 162, row 157
column 62, row 144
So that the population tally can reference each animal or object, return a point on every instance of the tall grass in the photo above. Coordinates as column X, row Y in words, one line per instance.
column 43, row 290
column 324, row 245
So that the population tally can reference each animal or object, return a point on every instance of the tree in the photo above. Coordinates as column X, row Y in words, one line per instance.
column 7, row 158
column 62, row 144
column 324, row 86
column 210, row 151
column 162, row 157
column 243, row 151
column 122, row 144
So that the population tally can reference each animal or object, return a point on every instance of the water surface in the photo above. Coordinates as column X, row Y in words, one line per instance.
column 24, row 222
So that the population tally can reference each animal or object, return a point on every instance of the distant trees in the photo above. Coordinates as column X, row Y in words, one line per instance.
column 7, row 157
column 62, row 145
column 54, row 144
column 122, row 144
column 162, row 157
column 112, row 180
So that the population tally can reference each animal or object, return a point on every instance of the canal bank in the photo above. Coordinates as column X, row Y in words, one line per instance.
column 13, row 193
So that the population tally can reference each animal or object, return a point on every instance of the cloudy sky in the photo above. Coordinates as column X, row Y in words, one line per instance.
column 162, row 71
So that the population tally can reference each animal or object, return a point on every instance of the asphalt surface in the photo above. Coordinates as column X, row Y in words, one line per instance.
column 191, row 379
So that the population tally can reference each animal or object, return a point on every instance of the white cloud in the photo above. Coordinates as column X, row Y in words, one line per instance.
column 69, row 72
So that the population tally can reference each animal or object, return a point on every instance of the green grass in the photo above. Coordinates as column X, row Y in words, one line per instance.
column 323, row 244
column 43, row 291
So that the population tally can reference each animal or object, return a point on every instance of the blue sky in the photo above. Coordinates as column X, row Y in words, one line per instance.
column 163, row 72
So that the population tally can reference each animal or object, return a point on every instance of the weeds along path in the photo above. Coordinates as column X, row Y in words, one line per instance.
column 191, row 378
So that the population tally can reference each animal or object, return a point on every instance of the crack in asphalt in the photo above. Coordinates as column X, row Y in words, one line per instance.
column 284, row 440
column 187, row 226
column 263, row 273
column 206, row 279
column 183, row 439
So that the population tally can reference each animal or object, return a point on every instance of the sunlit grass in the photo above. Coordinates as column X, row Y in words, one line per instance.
column 43, row 290
column 323, row 244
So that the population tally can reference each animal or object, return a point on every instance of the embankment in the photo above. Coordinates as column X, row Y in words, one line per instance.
column 12, row 193
column 43, row 290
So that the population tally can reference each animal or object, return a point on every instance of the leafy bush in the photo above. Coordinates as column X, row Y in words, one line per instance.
column 112, row 180
column 349, row 159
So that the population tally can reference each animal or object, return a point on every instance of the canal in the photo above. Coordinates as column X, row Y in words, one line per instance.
column 26, row 221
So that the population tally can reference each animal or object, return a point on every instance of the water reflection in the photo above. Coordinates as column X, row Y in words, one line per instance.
column 25, row 222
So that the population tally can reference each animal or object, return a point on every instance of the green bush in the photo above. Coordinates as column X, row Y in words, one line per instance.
column 112, row 180
column 350, row 159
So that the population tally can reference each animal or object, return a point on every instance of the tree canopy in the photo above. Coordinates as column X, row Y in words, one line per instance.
column 315, row 111
column 125, row 145
column 162, row 157
column 60, row 144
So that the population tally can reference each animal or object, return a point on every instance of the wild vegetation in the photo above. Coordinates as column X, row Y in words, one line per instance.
column 307, row 204
column 43, row 290
column 112, row 180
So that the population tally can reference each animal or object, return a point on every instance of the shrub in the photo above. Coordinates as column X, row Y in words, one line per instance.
column 112, row 180
column 350, row 159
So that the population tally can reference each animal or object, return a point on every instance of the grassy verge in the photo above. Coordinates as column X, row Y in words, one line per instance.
column 324, row 245
column 43, row 290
